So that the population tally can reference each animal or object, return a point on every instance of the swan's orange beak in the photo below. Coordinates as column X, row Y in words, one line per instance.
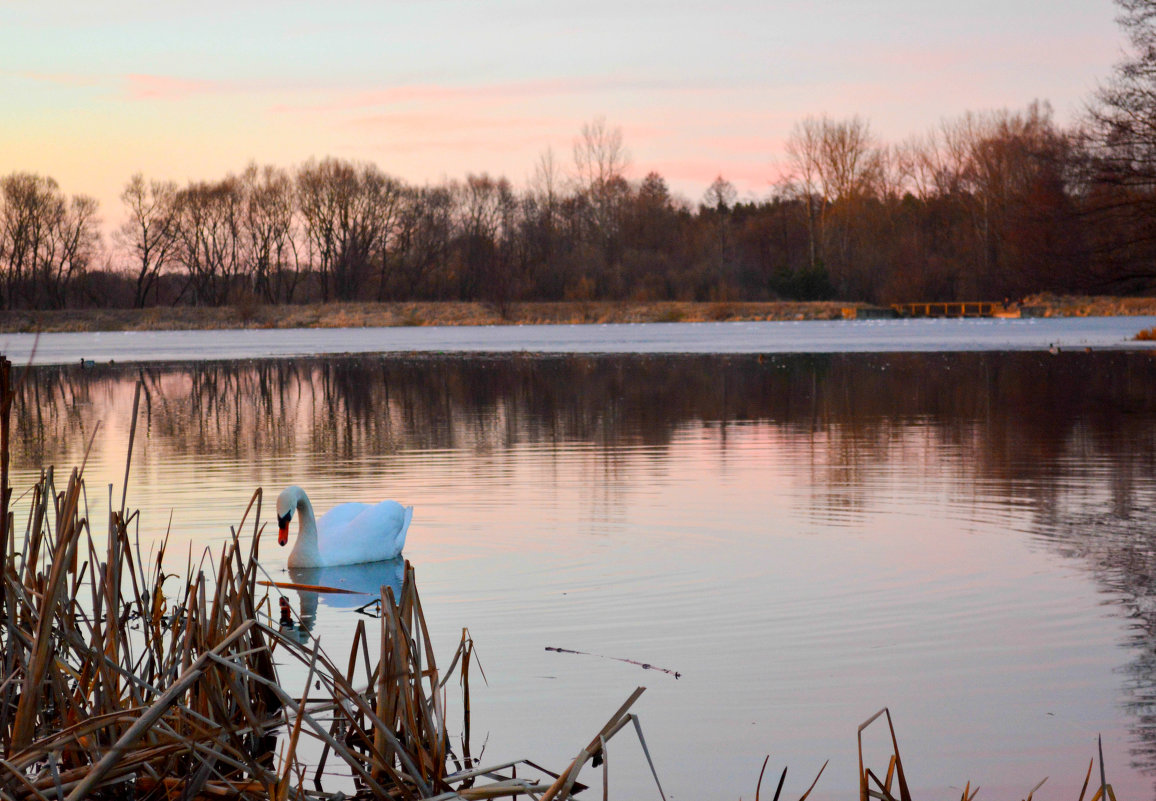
column 283, row 534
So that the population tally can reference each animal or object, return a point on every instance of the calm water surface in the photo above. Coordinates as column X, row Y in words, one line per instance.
column 966, row 538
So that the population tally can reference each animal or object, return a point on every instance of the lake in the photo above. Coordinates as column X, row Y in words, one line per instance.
column 966, row 538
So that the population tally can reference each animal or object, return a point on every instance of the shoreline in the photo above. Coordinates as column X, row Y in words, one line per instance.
column 468, row 313
column 1055, row 335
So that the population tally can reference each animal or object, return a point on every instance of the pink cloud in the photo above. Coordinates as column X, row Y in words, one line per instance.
column 459, row 144
column 756, row 177
column 746, row 146
column 166, row 87
column 464, row 119
column 497, row 92
column 465, row 130
column 58, row 78
column 992, row 54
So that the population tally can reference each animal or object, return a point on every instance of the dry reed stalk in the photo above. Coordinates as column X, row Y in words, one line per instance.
column 561, row 786
column 872, row 787
column 7, row 394
column 882, row 788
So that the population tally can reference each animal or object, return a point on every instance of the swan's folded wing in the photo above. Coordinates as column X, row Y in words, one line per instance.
column 341, row 515
column 386, row 519
column 375, row 533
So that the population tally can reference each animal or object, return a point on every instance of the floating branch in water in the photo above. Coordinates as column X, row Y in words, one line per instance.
column 289, row 585
column 643, row 665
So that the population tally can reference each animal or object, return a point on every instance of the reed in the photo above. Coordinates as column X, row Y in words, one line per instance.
column 893, row 784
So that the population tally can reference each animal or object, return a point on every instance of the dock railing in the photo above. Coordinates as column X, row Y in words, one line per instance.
column 982, row 308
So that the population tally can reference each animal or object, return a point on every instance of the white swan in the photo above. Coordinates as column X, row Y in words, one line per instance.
column 348, row 534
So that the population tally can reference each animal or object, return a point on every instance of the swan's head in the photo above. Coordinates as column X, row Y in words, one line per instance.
column 286, row 503
column 283, row 527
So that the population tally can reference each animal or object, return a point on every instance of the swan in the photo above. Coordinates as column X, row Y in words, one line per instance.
column 348, row 534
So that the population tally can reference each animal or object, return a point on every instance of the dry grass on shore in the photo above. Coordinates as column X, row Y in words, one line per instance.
column 362, row 315
column 1091, row 305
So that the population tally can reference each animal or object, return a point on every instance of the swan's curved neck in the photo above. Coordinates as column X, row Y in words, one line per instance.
column 306, row 526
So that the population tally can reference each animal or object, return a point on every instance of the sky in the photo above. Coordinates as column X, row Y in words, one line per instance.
column 91, row 93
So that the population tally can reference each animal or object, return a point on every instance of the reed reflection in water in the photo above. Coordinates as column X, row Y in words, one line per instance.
column 966, row 538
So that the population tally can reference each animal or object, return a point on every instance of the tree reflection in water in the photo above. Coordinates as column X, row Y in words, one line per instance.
column 1029, row 426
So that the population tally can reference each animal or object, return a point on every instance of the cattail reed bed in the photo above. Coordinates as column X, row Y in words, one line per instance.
column 114, row 689
column 119, row 684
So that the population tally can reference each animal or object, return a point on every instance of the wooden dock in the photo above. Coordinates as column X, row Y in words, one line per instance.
column 942, row 309
column 955, row 309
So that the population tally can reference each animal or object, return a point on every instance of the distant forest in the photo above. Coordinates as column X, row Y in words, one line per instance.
column 986, row 206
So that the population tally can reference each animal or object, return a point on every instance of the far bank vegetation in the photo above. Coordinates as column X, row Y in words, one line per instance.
column 991, row 206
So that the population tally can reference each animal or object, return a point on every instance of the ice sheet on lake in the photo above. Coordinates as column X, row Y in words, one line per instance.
column 812, row 336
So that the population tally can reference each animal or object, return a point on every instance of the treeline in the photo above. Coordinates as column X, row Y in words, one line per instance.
column 987, row 206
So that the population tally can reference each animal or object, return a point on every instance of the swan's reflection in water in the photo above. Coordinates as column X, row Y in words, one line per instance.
column 362, row 584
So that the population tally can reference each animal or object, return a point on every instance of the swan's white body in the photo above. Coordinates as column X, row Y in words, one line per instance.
column 348, row 534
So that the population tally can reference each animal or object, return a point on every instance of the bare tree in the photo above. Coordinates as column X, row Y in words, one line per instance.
column 805, row 153
column 150, row 232
column 270, row 231
column 486, row 208
column 720, row 195
column 422, row 242
column 75, row 244
column 1006, row 164
column 46, row 240
column 600, row 162
column 1125, row 108
column 30, row 204
column 349, row 212
column 849, row 162
column 388, row 196
column 923, row 167
column 1121, row 137
column 210, row 247
column 836, row 165
column 546, row 190
column 599, row 155
column 547, row 180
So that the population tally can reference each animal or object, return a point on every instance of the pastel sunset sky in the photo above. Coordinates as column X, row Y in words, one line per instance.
column 95, row 91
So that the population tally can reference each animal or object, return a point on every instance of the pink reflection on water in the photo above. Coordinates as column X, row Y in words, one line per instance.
column 798, row 572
